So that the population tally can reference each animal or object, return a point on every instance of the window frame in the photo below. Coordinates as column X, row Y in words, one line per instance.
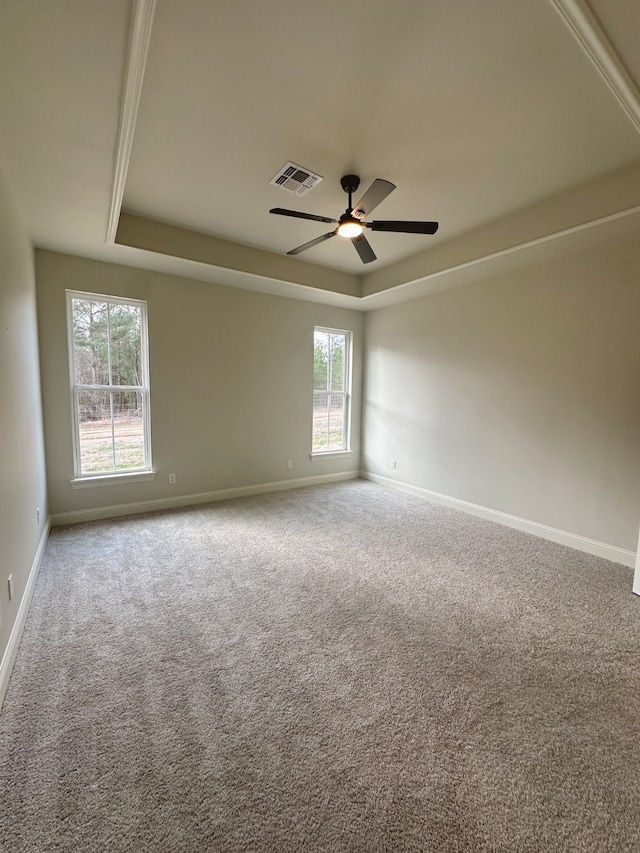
column 346, row 394
column 114, row 476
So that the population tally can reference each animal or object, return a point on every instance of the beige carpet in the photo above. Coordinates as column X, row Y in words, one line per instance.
column 341, row 668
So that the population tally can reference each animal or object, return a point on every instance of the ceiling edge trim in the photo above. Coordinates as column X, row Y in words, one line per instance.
column 142, row 13
column 501, row 253
column 587, row 31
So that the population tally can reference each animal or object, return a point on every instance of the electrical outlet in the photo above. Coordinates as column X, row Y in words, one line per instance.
column 172, row 479
column 289, row 464
column 10, row 585
column 394, row 464
column 38, row 515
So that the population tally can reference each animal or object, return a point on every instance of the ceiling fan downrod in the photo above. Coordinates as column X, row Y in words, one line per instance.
column 350, row 184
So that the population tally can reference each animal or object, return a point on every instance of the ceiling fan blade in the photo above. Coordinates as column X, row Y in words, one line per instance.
column 313, row 243
column 284, row 212
column 363, row 247
column 404, row 227
column 376, row 193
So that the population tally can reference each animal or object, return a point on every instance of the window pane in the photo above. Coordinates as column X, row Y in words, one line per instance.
column 90, row 339
column 336, row 362
column 96, row 440
column 111, row 428
column 320, row 422
column 328, row 422
column 336, row 422
column 128, row 428
column 126, row 362
column 320, row 361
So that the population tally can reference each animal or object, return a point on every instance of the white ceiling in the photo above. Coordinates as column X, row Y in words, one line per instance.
column 476, row 111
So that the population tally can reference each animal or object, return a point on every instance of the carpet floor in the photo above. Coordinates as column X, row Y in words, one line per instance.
column 336, row 668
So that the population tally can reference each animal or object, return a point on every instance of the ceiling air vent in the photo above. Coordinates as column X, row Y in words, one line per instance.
column 295, row 179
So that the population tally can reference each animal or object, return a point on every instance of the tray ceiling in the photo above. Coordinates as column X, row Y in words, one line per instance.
column 478, row 112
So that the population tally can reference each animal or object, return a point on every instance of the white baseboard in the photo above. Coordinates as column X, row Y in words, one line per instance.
column 11, row 651
column 115, row 510
column 562, row 537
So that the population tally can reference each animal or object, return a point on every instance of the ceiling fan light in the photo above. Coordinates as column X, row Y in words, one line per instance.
column 350, row 228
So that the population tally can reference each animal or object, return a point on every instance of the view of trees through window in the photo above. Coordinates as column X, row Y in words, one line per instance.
column 330, row 392
column 108, row 376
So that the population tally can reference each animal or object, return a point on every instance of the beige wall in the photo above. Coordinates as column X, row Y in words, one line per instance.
column 520, row 394
column 231, row 382
column 22, row 477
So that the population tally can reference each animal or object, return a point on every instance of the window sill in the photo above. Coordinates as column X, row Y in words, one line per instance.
column 112, row 479
column 329, row 454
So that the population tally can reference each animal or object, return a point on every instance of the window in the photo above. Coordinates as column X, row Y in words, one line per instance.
column 331, row 390
column 109, row 384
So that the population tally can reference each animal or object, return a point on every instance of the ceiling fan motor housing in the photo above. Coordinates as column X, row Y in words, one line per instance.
column 350, row 183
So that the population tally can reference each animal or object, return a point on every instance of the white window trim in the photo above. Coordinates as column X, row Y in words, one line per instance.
column 328, row 454
column 90, row 481
column 346, row 450
column 108, row 478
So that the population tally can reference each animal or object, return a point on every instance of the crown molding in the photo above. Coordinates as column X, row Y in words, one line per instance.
column 142, row 13
column 585, row 28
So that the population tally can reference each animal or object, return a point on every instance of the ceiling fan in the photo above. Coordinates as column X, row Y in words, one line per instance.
column 352, row 223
